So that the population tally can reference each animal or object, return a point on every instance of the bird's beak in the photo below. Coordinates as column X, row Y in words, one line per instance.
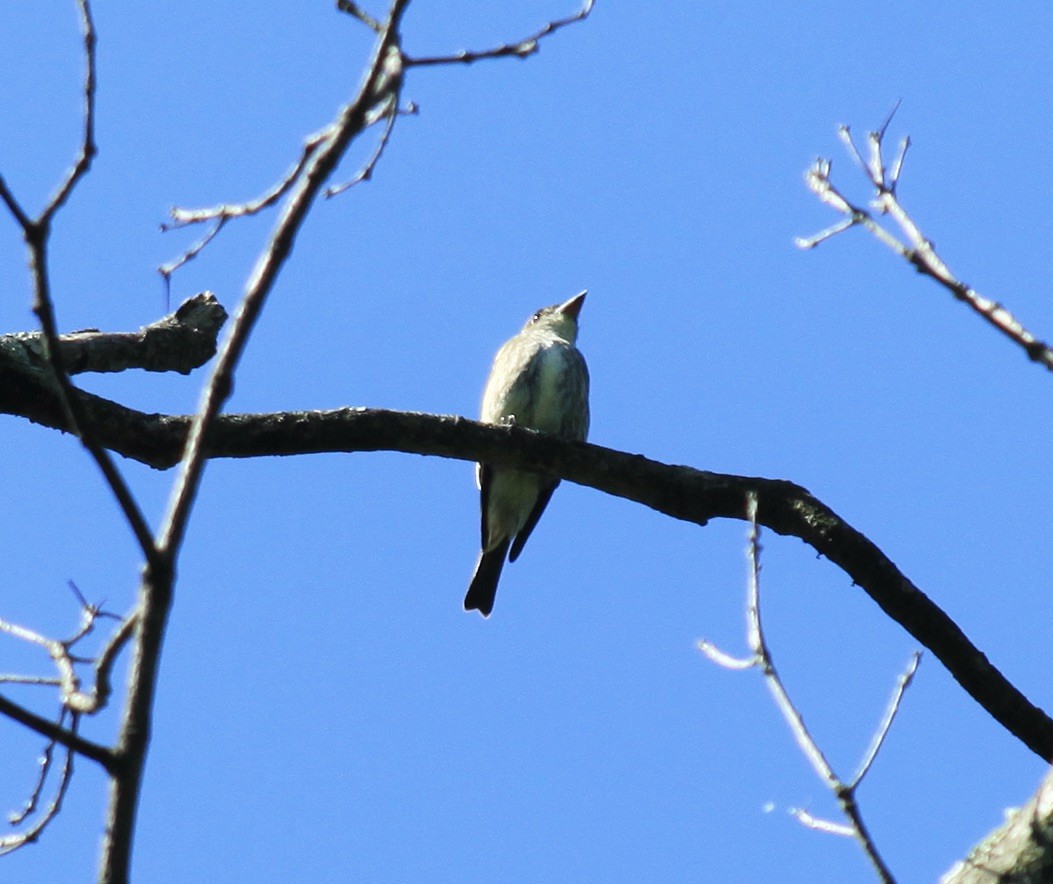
column 572, row 307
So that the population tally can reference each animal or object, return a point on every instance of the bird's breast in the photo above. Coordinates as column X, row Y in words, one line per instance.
column 542, row 383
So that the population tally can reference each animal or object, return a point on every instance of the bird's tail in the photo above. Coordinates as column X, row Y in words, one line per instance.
column 483, row 588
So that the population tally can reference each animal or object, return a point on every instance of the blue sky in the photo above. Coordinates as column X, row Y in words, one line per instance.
column 326, row 710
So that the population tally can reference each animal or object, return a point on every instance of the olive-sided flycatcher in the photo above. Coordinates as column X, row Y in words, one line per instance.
column 539, row 380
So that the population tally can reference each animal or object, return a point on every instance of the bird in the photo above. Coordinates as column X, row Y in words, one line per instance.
column 539, row 380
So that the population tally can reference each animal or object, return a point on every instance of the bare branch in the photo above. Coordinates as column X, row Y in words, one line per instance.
column 680, row 492
column 810, row 242
column 897, row 166
column 845, row 134
column 44, row 767
column 11, row 843
column 818, row 824
column 223, row 213
column 722, row 658
column 880, row 134
column 181, row 341
column 36, row 234
column 11, row 678
column 1016, row 851
column 886, row 722
column 806, row 743
column 918, row 250
column 89, row 703
column 384, row 77
column 47, row 728
column 358, row 12
column 59, row 651
column 366, row 172
column 88, row 149
column 195, row 249
column 381, row 85
column 519, row 49
column 13, row 206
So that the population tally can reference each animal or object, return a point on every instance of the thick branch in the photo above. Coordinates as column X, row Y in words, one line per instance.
column 680, row 492
column 1021, row 849
column 181, row 341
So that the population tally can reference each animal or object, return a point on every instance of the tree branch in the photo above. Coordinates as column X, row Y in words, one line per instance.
column 37, row 233
column 381, row 85
column 918, row 249
column 181, row 341
column 47, row 728
column 678, row 491
column 1019, row 850
column 13, row 842
column 762, row 658
column 518, row 49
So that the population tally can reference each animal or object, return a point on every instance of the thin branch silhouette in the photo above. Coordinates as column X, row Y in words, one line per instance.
column 761, row 658
column 37, row 233
column 917, row 249
column 517, row 49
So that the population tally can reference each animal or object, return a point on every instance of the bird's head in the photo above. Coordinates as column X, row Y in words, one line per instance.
column 559, row 319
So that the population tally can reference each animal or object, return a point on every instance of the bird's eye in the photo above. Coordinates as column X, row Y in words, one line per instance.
column 537, row 315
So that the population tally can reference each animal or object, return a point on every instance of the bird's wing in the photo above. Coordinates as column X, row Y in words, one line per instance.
column 543, row 497
column 509, row 390
column 576, row 388
column 484, row 474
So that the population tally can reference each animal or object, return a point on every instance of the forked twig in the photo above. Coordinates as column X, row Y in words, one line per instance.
column 519, row 48
column 74, row 698
column 224, row 212
column 382, row 83
column 915, row 247
column 10, row 843
column 36, row 233
column 761, row 658
column 366, row 172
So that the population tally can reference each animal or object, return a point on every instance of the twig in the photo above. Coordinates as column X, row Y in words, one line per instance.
column 60, row 652
column 11, row 843
column 47, row 728
column 886, row 722
column 917, row 249
column 50, row 681
column 762, row 658
column 195, row 249
column 91, row 702
column 818, row 824
column 13, row 206
column 224, row 212
column 385, row 73
column 358, row 12
column 722, row 658
column 44, row 767
column 366, row 172
column 519, row 49
column 88, row 148
column 36, row 233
